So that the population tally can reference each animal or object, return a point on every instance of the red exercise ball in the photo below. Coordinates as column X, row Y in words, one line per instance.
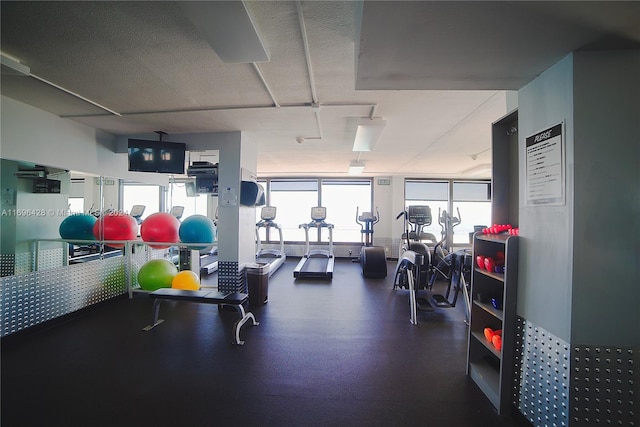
column 160, row 227
column 116, row 226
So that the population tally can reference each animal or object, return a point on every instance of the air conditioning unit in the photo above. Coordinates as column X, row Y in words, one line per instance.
column 30, row 174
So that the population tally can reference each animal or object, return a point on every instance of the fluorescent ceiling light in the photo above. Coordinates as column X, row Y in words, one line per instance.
column 356, row 168
column 368, row 133
column 229, row 29
column 13, row 67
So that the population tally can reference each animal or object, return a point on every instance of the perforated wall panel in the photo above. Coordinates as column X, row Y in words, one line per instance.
column 141, row 255
column 32, row 298
column 562, row 385
column 23, row 263
column 230, row 279
column 7, row 264
column 541, row 376
column 604, row 386
column 50, row 258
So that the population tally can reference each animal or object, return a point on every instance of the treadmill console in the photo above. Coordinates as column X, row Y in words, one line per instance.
column 137, row 211
column 319, row 213
column 177, row 211
column 419, row 215
column 268, row 213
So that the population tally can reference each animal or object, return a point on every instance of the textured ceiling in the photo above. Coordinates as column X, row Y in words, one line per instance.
column 435, row 71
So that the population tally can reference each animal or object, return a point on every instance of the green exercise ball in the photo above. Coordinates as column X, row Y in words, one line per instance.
column 156, row 274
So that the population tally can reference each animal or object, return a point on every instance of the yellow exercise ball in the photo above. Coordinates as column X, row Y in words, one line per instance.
column 186, row 280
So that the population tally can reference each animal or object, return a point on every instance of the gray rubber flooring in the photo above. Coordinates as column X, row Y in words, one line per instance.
column 326, row 353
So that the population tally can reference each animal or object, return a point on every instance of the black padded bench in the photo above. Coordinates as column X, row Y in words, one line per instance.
column 235, row 300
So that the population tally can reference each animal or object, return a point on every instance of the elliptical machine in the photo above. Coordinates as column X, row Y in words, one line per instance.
column 414, row 260
column 450, row 265
column 443, row 250
column 373, row 259
column 416, row 218
column 416, row 264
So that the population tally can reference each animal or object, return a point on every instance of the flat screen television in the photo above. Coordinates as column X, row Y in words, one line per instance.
column 156, row 156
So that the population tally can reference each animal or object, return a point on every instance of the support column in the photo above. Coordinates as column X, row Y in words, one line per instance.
column 578, row 293
column 236, row 223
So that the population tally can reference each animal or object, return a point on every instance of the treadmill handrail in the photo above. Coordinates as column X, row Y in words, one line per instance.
column 317, row 224
column 266, row 224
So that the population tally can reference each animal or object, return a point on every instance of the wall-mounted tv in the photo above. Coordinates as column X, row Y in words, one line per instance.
column 156, row 156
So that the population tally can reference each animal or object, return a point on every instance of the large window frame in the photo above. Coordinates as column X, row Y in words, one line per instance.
column 177, row 196
column 308, row 192
column 472, row 197
column 126, row 203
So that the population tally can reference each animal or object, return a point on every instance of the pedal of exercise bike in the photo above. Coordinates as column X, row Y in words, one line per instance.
column 422, row 304
column 440, row 301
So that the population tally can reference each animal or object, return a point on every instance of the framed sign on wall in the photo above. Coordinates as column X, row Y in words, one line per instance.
column 545, row 173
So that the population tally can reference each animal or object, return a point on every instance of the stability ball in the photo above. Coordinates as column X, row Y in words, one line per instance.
column 78, row 226
column 160, row 227
column 197, row 229
column 116, row 226
column 186, row 280
column 156, row 274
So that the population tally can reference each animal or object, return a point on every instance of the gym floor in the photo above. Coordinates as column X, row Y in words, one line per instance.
column 338, row 353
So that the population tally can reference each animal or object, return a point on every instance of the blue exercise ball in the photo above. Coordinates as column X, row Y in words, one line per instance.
column 78, row 226
column 197, row 229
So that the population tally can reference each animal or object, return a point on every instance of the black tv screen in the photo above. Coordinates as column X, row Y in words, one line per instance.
column 156, row 156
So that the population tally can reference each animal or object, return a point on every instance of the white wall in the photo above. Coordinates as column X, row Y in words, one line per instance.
column 33, row 135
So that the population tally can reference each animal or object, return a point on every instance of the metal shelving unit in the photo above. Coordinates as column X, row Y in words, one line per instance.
column 492, row 369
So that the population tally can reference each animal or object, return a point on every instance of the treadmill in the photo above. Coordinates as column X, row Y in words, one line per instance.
column 209, row 258
column 136, row 212
column 177, row 211
column 316, row 263
column 274, row 257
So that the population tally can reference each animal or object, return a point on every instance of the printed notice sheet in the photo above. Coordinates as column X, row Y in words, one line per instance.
column 545, row 180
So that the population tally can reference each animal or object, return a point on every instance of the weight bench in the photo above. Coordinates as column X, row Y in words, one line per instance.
column 234, row 300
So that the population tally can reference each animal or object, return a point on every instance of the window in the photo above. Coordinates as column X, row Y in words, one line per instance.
column 192, row 205
column 76, row 196
column 76, row 205
column 342, row 198
column 473, row 199
column 294, row 200
column 434, row 194
column 136, row 194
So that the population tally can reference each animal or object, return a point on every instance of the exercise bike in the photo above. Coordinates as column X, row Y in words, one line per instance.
column 373, row 259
